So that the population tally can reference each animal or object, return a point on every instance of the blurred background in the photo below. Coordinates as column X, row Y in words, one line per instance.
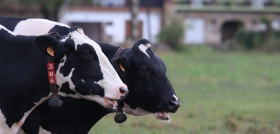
column 222, row 57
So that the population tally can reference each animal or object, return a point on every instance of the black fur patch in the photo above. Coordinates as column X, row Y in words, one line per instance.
column 10, row 24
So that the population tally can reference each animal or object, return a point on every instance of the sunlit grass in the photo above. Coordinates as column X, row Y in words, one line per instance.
column 220, row 92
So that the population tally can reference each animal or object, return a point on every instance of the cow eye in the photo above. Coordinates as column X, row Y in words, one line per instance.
column 145, row 73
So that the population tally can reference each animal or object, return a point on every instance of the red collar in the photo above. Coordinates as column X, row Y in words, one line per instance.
column 54, row 100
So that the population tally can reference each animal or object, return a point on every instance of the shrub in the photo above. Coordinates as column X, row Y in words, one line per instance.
column 172, row 34
column 258, row 40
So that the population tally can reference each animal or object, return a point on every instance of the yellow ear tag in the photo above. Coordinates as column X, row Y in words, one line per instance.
column 50, row 51
column 122, row 68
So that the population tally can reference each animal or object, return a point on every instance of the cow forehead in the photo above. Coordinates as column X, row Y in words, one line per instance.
column 143, row 48
column 80, row 39
column 154, row 63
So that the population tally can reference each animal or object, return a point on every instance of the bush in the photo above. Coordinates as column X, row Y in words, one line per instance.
column 258, row 40
column 172, row 34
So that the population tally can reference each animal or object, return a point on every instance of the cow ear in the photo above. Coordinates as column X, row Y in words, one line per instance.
column 47, row 44
column 122, row 64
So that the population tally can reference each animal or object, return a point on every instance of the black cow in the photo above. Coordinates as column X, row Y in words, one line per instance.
column 24, row 83
column 139, row 67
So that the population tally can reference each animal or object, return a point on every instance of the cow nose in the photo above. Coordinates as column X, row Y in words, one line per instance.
column 124, row 92
column 174, row 104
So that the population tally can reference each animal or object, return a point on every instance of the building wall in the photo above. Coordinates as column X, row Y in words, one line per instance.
column 212, row 23
column 115, row 22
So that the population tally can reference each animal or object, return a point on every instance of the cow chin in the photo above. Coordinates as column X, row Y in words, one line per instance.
column 105, row 102
column 139, row 112
column 162, row 116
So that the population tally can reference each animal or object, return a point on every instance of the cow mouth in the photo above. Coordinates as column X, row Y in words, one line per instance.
column 162, row 115
column 112, row 102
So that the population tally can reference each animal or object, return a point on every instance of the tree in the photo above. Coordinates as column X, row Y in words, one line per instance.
column 49, row 8
column 134, row 19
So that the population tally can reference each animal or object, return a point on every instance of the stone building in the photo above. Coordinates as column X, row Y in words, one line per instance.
column 216, row 21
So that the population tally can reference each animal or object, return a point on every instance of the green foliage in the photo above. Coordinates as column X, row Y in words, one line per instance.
column 221, row 93
column 172, row 34
column 265, row 19
column 48, row 8
column 258, row 40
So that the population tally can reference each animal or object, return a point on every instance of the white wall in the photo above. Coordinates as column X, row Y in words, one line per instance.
column 117, row 19
column 194, row 31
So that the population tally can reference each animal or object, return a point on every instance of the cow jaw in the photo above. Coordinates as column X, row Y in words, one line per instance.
column 137, row 112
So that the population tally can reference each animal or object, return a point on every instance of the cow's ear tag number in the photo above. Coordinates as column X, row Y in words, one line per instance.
column 50, row 51
column 122, row 68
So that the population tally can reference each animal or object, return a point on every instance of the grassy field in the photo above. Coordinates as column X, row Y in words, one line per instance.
column 220, row 92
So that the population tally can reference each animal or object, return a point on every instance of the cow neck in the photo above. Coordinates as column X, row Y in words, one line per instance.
column 54, row 100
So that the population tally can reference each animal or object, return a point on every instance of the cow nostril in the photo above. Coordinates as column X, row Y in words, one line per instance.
column 123, row 90
column 174, row 102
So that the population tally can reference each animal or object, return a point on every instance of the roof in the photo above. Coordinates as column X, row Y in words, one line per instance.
column 222, row 6
column 117, row 9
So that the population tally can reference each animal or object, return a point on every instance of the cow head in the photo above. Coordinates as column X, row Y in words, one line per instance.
column 149, row 89
column 82, row 69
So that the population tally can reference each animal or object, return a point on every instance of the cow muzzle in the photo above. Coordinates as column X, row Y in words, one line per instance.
column 174, row 104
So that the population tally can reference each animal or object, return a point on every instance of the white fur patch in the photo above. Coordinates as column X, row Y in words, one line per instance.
column 76, row 96
column 63, row 79
column 4, row 128
column 137, row 112
column 36, row 26
column 64, row 39
column 96, row 98
column 144, row 47
column 20, row 131
column 43, row 131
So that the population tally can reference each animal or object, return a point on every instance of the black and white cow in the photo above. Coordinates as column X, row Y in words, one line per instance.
column 81, row 68
column 139, row 67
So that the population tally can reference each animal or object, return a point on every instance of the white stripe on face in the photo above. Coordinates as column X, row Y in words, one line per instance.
column 176, row 98
column 61, row 79
column 144, row 48
column 111, row 82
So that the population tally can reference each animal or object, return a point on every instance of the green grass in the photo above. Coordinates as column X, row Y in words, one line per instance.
column 220, row 92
